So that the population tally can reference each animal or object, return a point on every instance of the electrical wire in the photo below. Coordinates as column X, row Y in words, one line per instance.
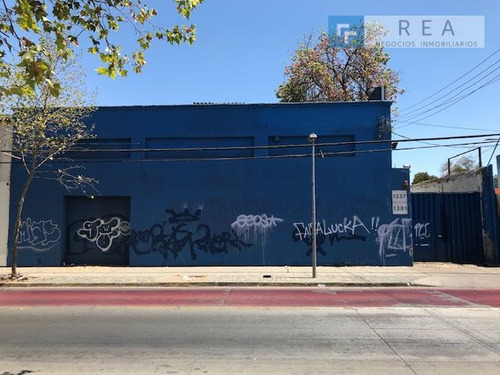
column 453, row 101
column 450, row 84
column 489, row 161
column 495, row 79
column 264, row 147
column 456, row 88
column 420, row 111
column 449, row 127
column 407, row 138
column 429, row 143
column 454, row 98
column 267, row 157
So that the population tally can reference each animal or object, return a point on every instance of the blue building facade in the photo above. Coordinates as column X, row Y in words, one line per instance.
column 225, row 185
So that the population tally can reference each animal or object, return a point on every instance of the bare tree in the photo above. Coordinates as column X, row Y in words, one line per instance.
column 44, row 127
column 462, row 164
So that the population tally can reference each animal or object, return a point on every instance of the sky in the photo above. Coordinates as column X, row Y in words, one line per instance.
column 243, row 46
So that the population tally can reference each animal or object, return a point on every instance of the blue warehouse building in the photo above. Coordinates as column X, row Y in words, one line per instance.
column 226, row 184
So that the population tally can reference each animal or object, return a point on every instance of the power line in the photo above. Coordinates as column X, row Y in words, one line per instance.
column 495, row 79
column 319, row 154
column 446, row 126
column 415, row 148
column 429, row 143
column 407, row 138
column 418, row 112
column 454, row 101
column 491, row 81
column 450, row 84
column 493, row 151
column 264, row 147
column 456, row 88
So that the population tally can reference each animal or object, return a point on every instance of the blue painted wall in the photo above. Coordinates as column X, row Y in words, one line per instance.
column 199, row 212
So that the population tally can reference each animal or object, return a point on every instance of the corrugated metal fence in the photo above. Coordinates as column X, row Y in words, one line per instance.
column 447, row 227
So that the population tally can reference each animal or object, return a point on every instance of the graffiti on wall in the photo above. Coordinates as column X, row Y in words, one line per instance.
column 422, row 231
column 181, row 232
column 422, row 234
column 108, row 234
column 102, row 232
column 349, row 229
column 39, row 235
column 255, row 226
column 392, row 238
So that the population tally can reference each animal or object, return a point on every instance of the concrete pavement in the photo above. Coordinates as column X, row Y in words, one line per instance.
column 445, row 275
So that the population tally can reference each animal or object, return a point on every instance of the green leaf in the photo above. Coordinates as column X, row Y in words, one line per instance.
column 102, row 71
column 55, row 90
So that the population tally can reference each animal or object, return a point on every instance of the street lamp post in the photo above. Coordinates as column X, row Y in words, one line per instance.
column 312, row 139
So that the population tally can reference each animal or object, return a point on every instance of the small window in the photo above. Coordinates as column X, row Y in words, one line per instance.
column 199, row 148
column 101, row 148
column 328, row 150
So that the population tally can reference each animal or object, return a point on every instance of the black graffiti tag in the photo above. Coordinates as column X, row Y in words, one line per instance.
column 177, row 234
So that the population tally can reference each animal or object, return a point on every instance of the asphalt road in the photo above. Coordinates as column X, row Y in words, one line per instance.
column 412, row 336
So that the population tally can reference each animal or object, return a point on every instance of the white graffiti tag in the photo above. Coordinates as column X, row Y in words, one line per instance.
column 348, row 226
column 394, row 237
column 102, row 233
column 255, row 223
column 246, row 226
column 38, row 235
column 422, row 230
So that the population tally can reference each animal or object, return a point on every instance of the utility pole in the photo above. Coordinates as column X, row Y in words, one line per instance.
column 312, row 139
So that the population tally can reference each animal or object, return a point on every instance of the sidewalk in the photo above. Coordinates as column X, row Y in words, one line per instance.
column 445, row 275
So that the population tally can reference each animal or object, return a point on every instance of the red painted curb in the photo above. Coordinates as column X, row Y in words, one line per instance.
column 252, row 297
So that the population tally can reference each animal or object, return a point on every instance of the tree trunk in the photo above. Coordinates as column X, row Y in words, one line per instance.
column 17, row 226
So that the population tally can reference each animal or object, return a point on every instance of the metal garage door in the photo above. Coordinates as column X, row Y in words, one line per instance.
column 98, row 230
